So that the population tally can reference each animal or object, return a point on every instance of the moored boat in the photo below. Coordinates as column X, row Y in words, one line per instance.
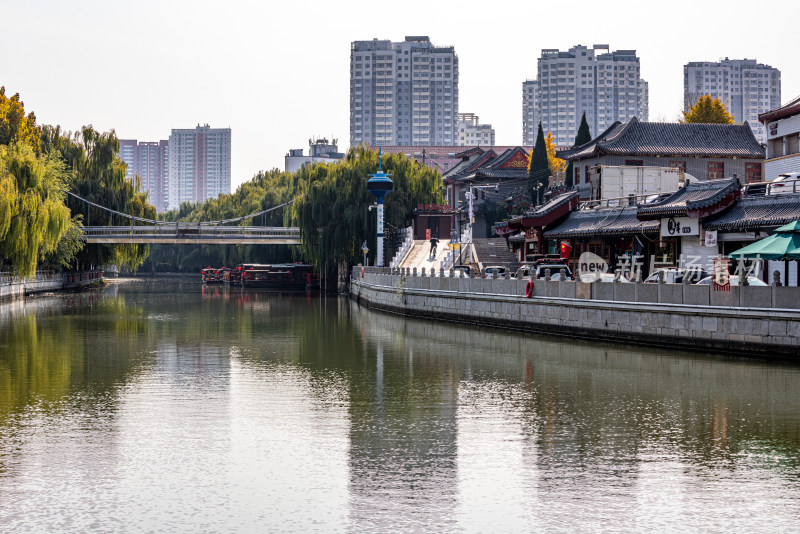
column 278, row 276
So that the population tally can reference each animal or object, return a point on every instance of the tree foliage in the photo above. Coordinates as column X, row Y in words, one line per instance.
column 555, row 164
column 539, row 170
column 332, row 213
column 266, row 190
column 581, row 138
column 708, row 109
column 33, row 216
column 14, row 124
column 98, row 174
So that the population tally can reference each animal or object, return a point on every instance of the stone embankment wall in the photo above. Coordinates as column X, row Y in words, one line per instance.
column 12, row 287
column 748, row 321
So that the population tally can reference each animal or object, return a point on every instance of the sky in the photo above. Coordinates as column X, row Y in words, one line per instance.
column 277, row 73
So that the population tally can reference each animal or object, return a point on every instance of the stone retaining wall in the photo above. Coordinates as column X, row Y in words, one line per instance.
column 672, row 315
column 12, row 288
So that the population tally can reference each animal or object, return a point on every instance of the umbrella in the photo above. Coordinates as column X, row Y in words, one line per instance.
column 784, row 244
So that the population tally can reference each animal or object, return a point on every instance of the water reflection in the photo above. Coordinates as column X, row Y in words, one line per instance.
column 170, row 405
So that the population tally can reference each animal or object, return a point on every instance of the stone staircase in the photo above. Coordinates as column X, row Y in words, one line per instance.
column 494, row 251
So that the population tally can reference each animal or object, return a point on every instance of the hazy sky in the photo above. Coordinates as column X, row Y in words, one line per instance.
column 277, row 73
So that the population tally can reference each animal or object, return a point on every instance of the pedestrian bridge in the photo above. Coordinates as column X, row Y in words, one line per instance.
column 187, row 234
column 139, row 230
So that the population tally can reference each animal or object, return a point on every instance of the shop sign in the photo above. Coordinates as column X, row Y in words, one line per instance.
column 722, row 278
column 711, row 238
column 680, row 226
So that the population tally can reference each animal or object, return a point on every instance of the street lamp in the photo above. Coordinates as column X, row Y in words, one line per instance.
column 380, row 185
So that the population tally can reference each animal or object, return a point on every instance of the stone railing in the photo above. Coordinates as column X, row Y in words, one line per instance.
column 15, row 287
column 748, row 321
column 408, row 242
column 781, row 297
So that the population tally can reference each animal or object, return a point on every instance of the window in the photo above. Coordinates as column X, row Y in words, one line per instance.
column 716, row 170
column 678, row 165
column 577, row 174
column 752, row 172
column 634, row 162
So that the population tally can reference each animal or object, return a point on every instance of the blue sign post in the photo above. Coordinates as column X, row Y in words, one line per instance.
column 380, row 185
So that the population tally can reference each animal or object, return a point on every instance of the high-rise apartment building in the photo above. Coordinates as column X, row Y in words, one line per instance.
column 605, row 85
column 149, row 161
column 199, row 164
column 471, row 133
column 403, row 93
column 746, row 87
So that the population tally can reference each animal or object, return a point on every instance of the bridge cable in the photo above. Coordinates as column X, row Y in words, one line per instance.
column 166, row 223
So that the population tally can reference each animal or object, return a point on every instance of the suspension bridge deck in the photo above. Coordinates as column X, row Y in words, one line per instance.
column 193, row 235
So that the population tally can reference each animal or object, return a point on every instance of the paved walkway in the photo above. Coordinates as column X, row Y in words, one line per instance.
column 419, row 256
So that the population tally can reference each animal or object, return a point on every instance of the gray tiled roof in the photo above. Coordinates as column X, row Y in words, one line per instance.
column 787, row 110
column 552, row 204
column 608, row 222
column 692, row 196
column 671, row 139
column 752, row 213
column 490, row 169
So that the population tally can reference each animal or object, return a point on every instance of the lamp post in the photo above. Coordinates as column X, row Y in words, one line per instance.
column 470, row 216
column 380, row 185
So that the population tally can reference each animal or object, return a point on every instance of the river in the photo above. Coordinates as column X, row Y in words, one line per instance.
column 166, row 406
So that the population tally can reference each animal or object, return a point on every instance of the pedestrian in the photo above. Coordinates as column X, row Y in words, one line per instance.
column 434, row 243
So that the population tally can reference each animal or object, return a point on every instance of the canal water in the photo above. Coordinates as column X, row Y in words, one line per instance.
column 165, row 406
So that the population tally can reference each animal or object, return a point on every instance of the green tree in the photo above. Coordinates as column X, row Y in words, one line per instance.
column 332, row 214
column 708, row 110
column 264, row 191
column 98, row 175
column 33, row 216
column 539, row 170
column 14, row 124
column 583, row 136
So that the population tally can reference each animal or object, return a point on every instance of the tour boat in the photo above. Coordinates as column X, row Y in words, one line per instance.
column 279, row 276
column 211, row 275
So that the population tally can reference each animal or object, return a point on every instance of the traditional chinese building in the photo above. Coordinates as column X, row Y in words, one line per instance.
column 706, row 151
column 495, row 178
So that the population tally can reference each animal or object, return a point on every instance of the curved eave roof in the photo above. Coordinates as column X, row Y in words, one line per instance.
column 614, row 222
column 753, row 213
column 693, row 199
column 671, row 139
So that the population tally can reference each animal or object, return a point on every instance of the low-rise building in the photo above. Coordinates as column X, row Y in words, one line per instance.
column 319, row 151
column 783, row 139
column 471, row 133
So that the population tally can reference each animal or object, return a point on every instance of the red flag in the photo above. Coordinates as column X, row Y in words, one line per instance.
column 566, row 250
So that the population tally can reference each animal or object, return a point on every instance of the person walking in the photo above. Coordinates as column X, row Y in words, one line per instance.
column 434, row 243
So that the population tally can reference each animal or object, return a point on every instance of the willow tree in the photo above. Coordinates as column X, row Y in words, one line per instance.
column 333, row 214
column 98, row 174
column 33, row 216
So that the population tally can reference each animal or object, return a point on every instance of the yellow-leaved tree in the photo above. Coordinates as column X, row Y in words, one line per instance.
column 556, row 165
column 708, row 109
column 14, row 124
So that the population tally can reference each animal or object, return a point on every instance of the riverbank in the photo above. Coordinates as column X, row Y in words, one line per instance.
column 590, row 311
column 14, row 288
